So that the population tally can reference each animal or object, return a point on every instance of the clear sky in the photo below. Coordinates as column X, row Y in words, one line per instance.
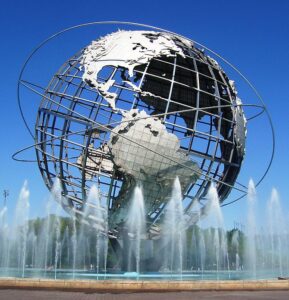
column 253, row 35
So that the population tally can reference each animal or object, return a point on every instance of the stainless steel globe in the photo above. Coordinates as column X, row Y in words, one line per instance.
column 140, row 107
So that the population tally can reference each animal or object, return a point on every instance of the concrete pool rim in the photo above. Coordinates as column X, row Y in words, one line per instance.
column 122, row 286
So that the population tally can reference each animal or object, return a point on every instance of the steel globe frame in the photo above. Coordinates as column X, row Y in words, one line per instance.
column 95, row 125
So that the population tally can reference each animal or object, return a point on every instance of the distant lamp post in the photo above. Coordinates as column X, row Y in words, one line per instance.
column 5, row 194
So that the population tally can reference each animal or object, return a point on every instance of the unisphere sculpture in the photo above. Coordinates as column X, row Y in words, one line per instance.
column 140, row 107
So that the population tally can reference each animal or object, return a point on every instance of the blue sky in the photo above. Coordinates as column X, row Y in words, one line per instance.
column 253, row 35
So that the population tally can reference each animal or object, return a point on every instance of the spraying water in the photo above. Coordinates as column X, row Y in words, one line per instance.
column 202, row 251
column 74, row 246
column 136, row 227
column 277, row 231
column 4, row 238
column 56, row 193
column 20, row 231
column 174, row 224
column 57, row 243
column 235, row 245
column 95, row 218
column 215, row 220
column 40, row 246
column 251, row 229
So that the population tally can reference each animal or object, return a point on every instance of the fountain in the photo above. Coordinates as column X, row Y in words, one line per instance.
column 251, row 230
column 235, row 245
column 277, row 231
column 4, row 240
column 57, row 242
column 218, row 240
column 135, row 228
column 202, row 251
column 15, row 238
column 60, row 247
column 74, row 246
column 174, row 235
